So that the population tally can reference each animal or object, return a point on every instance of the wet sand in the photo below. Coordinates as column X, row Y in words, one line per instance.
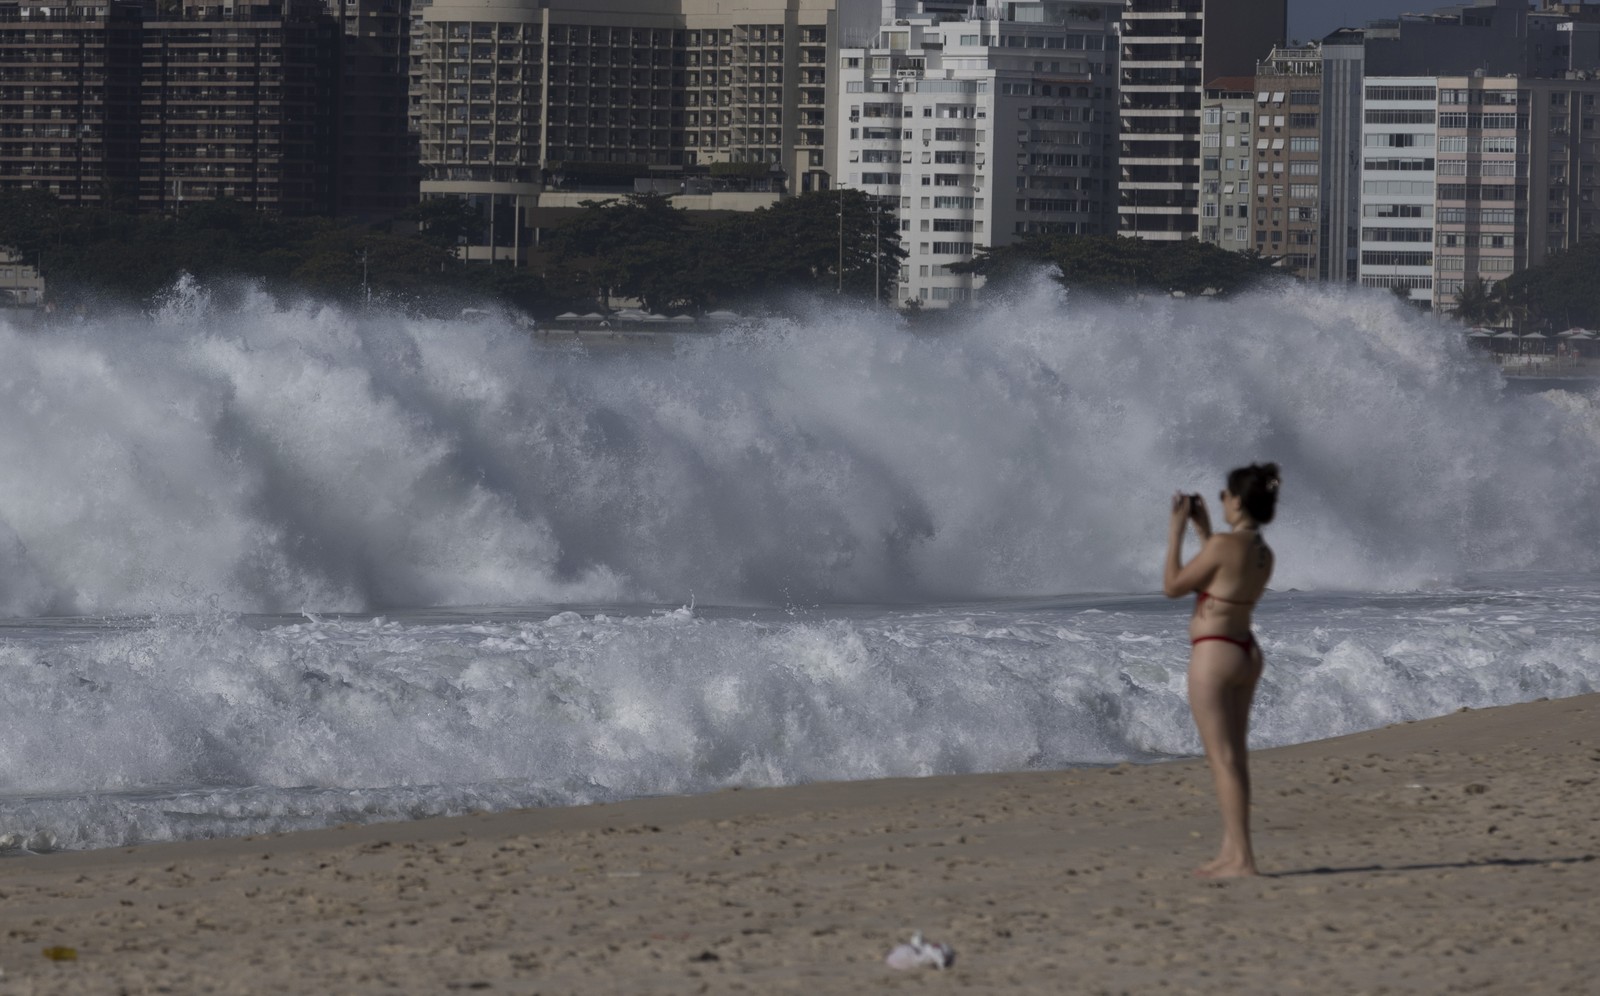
column 1460, row 854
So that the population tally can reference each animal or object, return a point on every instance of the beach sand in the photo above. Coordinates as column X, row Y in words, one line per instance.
column 1450, row 855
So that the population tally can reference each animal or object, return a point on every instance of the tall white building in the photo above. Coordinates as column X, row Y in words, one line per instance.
column 1399, row 136
column 983, row 127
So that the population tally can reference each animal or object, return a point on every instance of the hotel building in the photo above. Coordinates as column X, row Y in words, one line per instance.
column 979, row 129
column 1170, row 48
column 526, row 107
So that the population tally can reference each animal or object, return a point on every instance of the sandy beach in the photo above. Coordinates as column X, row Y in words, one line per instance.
column 1450, row 855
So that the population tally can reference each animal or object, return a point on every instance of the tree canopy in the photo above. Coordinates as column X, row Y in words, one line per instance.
column 638, row 247
column 1560, row 293
column 675, row 260
column 1110, row 264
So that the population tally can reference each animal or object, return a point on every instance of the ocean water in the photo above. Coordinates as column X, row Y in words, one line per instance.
column 271, row 567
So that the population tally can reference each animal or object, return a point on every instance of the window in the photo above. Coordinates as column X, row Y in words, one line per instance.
column 1427, row 93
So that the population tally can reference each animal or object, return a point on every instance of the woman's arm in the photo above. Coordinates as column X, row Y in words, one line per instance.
column 1177, row 578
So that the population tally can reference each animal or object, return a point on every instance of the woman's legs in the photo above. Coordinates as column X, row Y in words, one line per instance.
column 1222, row 683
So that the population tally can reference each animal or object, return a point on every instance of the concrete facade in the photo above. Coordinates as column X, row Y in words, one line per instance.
column 1227, row 138
column 1399, row 141
column 514, row 97
column 1287, row 221
column 1169, row 49
column 979, row 129
column 1517, row 176
column 234, row 103
column 69, row 99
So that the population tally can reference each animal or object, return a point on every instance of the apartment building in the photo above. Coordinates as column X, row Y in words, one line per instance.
column 1343, row 73
column 1398, row 175
column 1227, row 136
column 234, row 103
column 976, row 129
column 378, row 172
column 1517, row 164
column 69, row 99
column 1169, row 49
column 1287, row 220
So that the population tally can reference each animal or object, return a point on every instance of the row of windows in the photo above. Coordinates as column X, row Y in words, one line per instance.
column 1389, row 280
column 1427, row 93
column 1398, row 165
column 1397, row 235
column 1481, row 192
column 1397, row 210
column 1398, row 188
column 1464, row 143
column 1486, row 264
column 1461, row 167
column 1387, row 258
column 1399, row 117
column 1456, row 119
column 1478, row 216
column 1474, row 240
column 1474, row 97
column 1398, row 140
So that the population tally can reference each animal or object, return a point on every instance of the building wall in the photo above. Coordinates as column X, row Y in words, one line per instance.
column 1343, row 65
column 1169, row 49
column 69, row 97
column 378, row 158
column 1287, row 220
column 1517, row 175
column 1399, row 150
column 1227, row 138
column 980, row 131
column 235, row 103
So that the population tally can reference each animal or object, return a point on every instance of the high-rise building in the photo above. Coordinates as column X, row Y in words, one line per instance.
column 1287, row 220
column 69, row 100
column 1398, row 166
column 1170, row 48
column 526, row 107
column 1517, row 175
column 1227, row 136
column 977, row 129
column 234, row 103
column 1343, row 69
column 378, row 167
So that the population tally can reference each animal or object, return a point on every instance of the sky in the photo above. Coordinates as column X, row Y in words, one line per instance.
column 1312, row 19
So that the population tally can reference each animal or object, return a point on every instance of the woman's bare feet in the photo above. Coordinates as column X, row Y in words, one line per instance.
column 1220, row 867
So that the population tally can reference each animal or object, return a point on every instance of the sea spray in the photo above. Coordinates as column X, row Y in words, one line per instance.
column 270, row 458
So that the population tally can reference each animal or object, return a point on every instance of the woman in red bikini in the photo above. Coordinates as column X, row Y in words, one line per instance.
column 1227, row 576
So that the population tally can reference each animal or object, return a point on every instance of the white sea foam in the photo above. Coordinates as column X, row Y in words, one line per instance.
column 221, row 725
column 268, row 459
column 202, row 462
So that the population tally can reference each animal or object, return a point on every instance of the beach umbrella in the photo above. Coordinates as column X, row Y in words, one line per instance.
column 1480, row 334
column 567, row 316
column 681, row 318
column 1507, row 334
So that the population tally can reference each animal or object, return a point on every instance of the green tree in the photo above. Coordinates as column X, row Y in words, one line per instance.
column 1477, row 303
column 1109, row 264
column 1561, row 292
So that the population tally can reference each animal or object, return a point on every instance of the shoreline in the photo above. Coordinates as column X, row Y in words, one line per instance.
column 1447, row 853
